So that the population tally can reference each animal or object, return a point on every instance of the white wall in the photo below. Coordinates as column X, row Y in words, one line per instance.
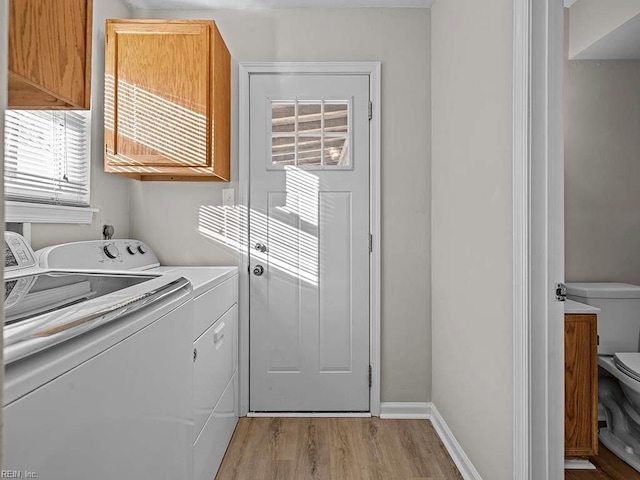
column 602, row 171
column 109, row 193
column 166, row 215
column 471, row 227
column 591, row 20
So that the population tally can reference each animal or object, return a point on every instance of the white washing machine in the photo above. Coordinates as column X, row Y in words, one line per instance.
column 99, row 375
column 214, row 333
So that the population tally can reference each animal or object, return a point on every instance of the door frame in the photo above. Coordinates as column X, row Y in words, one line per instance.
column 538, row 239
column 246, row 69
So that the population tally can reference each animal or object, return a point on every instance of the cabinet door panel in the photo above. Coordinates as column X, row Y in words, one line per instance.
column 158, row 81
column 50, row 54
column 581, row 385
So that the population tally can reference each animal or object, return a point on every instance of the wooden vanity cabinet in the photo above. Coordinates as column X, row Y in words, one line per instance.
column 50, row 54
column 167, row 100
column 581, row 385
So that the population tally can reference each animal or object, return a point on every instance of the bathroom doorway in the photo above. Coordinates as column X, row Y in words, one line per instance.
column 601, row 218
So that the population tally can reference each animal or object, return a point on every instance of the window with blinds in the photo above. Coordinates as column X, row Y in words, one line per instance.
column 47, row 157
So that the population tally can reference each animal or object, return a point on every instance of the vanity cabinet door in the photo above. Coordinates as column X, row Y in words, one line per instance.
column 581, row 385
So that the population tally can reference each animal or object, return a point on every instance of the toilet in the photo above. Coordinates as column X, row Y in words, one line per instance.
column 619, row 362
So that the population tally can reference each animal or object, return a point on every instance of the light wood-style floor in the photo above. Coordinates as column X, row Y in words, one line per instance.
column 336, row 449
column 609, row 467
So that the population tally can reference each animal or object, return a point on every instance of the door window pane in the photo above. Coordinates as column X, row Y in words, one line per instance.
column 283, row 117
column 310, row 133
column 309, row 149
column 283, row 150
column 336, row 117
column 336, row 151
column 310, row 118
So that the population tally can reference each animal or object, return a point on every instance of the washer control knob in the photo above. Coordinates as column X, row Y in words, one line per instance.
column 111, row 250
column 142, row 249
column 132, row 250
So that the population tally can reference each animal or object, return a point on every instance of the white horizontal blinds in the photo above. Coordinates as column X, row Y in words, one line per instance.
column 47, row 158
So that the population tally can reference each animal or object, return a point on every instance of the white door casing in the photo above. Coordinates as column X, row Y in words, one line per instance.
column 309, row 241
column 538, row 253
column 246, row 71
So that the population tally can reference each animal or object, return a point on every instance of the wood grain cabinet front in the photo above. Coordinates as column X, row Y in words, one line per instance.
column 167, row 100
column 581, row 385
column 50, row 54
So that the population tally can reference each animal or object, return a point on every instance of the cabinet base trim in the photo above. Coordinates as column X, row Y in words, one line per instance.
column 578, row 464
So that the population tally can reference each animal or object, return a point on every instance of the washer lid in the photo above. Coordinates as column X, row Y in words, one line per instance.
column 628, row 363
column 56, row 306
column 603, row 290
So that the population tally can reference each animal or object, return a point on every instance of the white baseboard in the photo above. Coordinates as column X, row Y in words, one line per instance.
column 417, row 410
column 427, row 410
column 467, row 470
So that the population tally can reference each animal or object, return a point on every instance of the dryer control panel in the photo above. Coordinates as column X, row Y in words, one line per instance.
column 115, row 254
column 17, row 252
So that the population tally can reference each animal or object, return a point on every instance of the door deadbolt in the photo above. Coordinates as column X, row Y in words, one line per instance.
column 261, row 247
column 258, row 270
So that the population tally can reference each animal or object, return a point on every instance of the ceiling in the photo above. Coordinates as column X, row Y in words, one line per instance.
column 263, row 4
column 259, row 4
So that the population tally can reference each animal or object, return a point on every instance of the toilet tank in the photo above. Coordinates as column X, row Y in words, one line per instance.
column 619, row 318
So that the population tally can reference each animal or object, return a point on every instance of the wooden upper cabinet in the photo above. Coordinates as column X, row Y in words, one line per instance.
column 167, row 100
column 50, row 54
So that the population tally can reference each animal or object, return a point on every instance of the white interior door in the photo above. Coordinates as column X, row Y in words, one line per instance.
column 309, row 242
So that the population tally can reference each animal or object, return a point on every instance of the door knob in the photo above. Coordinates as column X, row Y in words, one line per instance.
column 258, row 270
column 261, row 247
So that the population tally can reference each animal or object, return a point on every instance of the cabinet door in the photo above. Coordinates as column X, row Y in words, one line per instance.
column 159, row 98
column 581, row 385
column 50, row 54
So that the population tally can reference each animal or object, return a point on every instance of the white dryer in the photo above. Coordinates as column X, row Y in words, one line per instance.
column 214, row 335
column 99, row 375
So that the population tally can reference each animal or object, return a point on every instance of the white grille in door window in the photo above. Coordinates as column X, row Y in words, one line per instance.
column 313, row 134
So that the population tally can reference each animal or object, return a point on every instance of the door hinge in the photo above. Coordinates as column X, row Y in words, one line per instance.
column 561, row 292
column 370, row 243
column 370, row 109
column 370, row 376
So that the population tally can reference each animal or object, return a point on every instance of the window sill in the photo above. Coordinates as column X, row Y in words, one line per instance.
column 22, row 212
